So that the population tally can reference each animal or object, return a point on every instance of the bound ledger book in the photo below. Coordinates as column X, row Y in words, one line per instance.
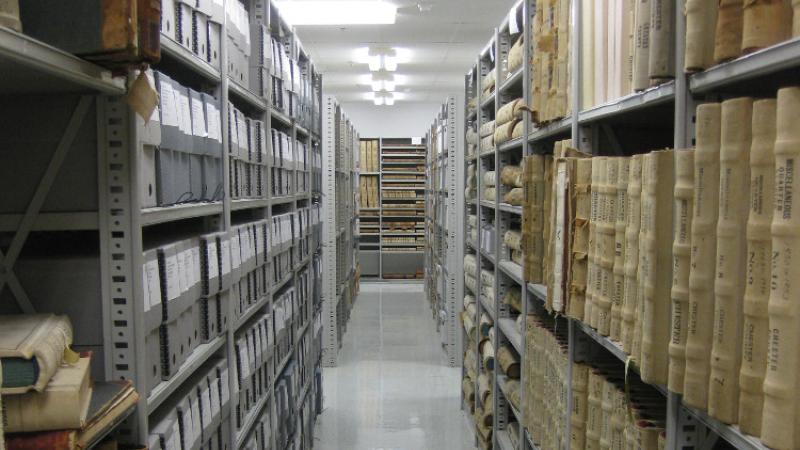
column 780, row 426
column 62, row 405
column 681, row 250
column 759, row 251
column 110, row 404
column 32, row 349
column 704, row 251
column 729, row 286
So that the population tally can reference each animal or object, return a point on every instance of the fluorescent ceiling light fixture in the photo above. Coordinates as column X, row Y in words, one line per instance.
column 383, row 81
column 337, row 12
column 383, row 98
column 382, row 58
column 375, row 63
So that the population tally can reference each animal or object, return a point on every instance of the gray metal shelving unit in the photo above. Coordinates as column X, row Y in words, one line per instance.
column 443, row 254
column 339, row 229
column 408, row 260
column 606, row 129
column 88, row 192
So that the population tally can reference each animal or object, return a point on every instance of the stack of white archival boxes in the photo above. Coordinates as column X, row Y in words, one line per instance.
column 247, row 150
column 185, row 165
column 196, row 25
column 285, row 314
column 302, row 167
column 197, row 415
column 281, row 76
column 261, row 61
column 237, row 42
column 254, row 350
column 282, row 241
column 282, row 160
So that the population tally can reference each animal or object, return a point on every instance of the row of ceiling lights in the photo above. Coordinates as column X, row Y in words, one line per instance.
column 382, row 62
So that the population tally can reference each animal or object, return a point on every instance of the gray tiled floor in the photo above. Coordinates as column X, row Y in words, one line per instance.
column 392, row 389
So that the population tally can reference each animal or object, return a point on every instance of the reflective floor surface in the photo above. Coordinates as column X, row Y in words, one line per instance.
column 392, row 389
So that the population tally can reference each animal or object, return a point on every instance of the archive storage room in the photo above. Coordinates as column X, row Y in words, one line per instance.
column 399, row 224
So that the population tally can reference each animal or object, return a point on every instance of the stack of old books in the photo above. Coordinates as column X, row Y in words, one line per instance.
column 49, row 399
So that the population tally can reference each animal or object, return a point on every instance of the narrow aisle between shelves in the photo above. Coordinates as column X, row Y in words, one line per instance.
column 392, row 388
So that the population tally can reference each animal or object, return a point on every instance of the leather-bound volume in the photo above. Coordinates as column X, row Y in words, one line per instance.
column 533, row 217
column 580, row 242
column 594, row 413
column 149, row 16
column 780, row 426
column 547, row 208
column 765, row 23
column 580, row 381
column 630, row 297
column 701, row 23
column 606, row 235
column 563, row 92
column 681, row 254
column 636, row 340
column 587, row 53
column 662, row 40
column 795, row 18
column 657, row 256
column 728, row 35
column 619, row 248
column 729, row 285
column 9, row 17
column 759, row 265
column 113, row 33
column 641, row 51
column 702, row 259
column 593, row 274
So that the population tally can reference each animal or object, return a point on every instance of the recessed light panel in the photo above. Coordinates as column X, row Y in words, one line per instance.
column 337, row 12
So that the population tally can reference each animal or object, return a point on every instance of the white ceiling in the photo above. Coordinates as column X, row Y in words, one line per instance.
column 443, row 44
